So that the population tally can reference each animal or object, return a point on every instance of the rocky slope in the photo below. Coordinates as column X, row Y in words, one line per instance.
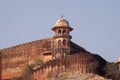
column 78, row 76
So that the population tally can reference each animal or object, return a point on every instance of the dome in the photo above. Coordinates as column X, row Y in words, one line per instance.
column 118, row 59
column 62, row 22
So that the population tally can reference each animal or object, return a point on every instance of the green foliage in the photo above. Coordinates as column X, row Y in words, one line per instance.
column 27, row 72
column 39, row 61
column 28, row 68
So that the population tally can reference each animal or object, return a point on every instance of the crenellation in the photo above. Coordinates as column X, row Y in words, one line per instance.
column 26, row 53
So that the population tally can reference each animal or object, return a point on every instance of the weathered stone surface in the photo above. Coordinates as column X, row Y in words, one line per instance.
column 20, row 55
column 78, row 76
column 81, row 62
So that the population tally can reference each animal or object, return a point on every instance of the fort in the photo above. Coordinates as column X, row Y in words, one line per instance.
column 58, row 53
column 81, row 62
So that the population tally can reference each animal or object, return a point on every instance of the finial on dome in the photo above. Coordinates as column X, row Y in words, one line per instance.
column 62, row 16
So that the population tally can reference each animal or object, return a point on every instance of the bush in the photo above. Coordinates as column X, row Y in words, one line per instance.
column 27, row 72
column 39, row 61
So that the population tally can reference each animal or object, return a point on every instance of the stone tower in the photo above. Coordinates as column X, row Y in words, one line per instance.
column 61, row 39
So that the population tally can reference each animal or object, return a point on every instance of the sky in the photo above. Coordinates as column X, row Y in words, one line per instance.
column 96, row 23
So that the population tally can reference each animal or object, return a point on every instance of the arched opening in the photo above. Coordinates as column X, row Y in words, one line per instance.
column 68, row 43
column 64, row 42
column 59, row 31
column 64, row 31
column 59, row 42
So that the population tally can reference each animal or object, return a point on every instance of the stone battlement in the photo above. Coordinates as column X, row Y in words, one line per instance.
column 18, row 56
column 81, row 62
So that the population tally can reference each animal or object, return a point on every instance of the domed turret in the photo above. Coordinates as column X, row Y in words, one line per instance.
column 61, row 39
column 62, row 23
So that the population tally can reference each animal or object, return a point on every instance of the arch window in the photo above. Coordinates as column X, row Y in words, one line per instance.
column 68, row 43
column 64, row 31
column 59, row 42
column 59, row 31
column 64, row 42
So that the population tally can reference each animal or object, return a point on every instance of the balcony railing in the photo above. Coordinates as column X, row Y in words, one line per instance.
column 63, row 35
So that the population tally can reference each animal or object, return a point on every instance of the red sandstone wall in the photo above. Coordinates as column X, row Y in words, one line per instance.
column 82, row 63
column 15, row 58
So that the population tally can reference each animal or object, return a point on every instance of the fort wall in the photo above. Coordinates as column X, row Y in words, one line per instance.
column 81, row 62
column 15, row 58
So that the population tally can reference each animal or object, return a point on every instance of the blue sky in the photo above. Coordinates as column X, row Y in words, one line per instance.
column 96, row 23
